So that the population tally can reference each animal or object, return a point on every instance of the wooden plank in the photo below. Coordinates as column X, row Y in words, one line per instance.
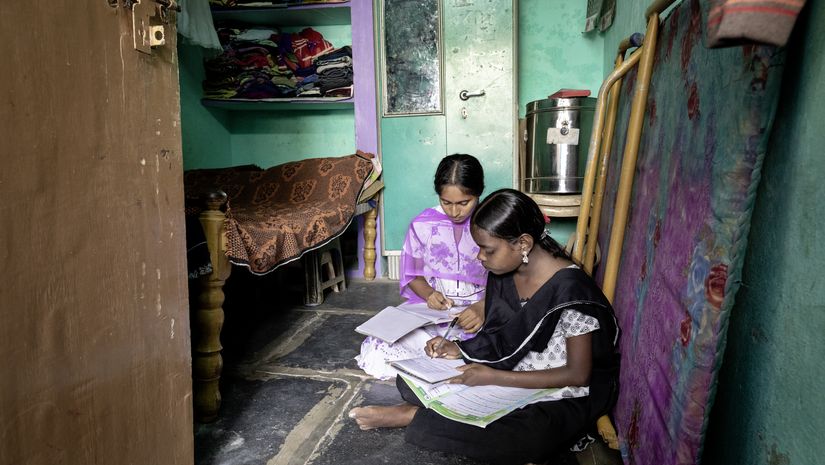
column 96, row 322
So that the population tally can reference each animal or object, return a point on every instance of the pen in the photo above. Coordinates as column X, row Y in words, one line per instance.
column 446, row 335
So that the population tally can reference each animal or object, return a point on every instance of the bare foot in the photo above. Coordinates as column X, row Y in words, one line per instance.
column 380, row 416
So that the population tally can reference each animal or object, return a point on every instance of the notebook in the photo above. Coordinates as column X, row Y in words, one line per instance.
column 431, row 370
column 393, row 323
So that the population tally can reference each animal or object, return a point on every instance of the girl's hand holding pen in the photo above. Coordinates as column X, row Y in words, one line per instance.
column 438, row 347
column 437, row 301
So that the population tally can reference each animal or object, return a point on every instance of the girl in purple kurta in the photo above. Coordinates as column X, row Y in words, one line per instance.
column 438, row 265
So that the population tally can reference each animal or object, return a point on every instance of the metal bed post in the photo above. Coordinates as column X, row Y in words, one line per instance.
column 593, row 150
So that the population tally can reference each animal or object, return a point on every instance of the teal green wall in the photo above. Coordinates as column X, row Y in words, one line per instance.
column 269, row 138
column 769, row 400
column 205, row 135
column 553, row 52
column 770, row 403
column 215, row 137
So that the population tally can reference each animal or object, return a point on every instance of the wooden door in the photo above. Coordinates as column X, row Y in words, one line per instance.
column 95, row 329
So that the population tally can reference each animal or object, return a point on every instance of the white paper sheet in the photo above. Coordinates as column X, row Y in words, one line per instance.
column 391, row 324
column 431, row 370
column 434, row 316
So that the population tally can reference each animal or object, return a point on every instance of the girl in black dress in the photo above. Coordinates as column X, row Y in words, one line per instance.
column 547, row 325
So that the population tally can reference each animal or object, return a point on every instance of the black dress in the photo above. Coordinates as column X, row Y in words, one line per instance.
column 538, row 431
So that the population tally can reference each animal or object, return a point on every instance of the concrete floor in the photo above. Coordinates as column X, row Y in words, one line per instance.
column 289, row 379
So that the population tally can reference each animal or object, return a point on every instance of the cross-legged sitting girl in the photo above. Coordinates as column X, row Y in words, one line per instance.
column 547, row 325
column 438, row 265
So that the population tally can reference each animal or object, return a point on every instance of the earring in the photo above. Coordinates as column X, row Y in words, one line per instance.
column 524, row 258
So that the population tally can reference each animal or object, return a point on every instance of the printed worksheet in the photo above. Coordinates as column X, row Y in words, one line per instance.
column 483, row 401
column 476, row 405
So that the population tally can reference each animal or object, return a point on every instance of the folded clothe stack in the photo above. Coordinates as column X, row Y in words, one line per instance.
column 298, row 50
column 264, row 63
column 335, row 73
column 248, row 67
column 250, row 3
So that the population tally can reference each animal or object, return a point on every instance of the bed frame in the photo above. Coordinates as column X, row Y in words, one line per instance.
column 207, row 315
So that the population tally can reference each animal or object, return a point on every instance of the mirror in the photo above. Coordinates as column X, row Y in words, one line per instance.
column 411, row 59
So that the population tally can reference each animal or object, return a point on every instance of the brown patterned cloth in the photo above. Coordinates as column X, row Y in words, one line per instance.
column 276, row 215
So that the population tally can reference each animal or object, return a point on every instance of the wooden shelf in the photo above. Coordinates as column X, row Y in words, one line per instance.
column 318, row 14
column 311, row 14
column 280, row 104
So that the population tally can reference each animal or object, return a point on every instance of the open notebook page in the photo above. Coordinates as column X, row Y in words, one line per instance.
column 391, row 324
column 434, row 316
column 431, row 370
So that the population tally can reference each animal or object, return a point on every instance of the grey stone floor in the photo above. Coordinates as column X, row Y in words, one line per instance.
column 289, row 379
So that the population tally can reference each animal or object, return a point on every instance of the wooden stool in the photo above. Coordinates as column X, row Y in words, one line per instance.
column 323, row 269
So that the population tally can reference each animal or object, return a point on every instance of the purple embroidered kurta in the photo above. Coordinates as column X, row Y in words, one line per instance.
column 445, row 254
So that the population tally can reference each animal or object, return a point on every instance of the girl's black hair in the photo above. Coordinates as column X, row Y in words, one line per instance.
column 461, row 170
column 508, row 213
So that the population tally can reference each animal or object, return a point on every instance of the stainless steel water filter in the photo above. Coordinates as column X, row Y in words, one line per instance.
column 558, row 130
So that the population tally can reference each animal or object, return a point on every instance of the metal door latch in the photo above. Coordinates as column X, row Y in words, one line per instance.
column 148, row 18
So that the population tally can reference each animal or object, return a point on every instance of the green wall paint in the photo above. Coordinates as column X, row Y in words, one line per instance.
column 553, row 52
column 270, row 138
column 561, row 229
column 770, row 399
column 205, row 135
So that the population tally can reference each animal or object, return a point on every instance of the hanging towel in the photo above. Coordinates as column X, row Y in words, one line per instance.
column 737, row 22
column 196, row 25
